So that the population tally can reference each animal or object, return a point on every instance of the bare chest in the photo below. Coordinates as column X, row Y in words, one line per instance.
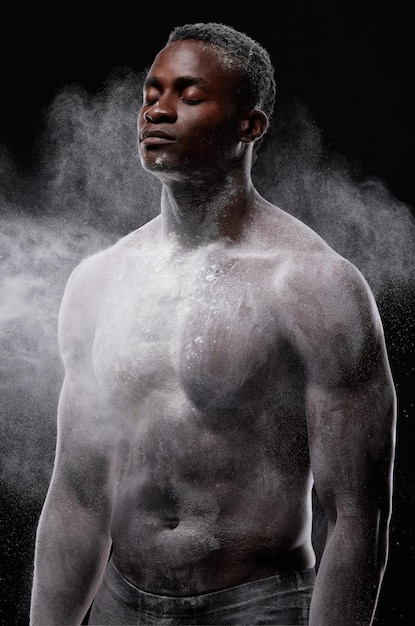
column 203, row 328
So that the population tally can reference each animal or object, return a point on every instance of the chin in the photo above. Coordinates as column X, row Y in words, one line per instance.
column 156, row 161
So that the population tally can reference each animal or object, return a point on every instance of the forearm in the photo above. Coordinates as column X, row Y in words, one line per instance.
column 72, row 548
column 349, row 576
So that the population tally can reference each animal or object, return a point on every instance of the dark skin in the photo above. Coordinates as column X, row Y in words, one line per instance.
column 219, row 361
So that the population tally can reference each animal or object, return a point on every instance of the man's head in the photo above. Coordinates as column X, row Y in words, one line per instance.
column 207, row 99
column 253, row 61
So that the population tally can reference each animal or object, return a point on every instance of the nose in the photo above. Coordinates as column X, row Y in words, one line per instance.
column 161, row 111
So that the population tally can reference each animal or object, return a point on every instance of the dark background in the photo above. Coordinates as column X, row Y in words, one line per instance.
column 351, row 63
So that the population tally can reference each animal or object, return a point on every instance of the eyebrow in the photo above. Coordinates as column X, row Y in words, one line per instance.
column 180, row 83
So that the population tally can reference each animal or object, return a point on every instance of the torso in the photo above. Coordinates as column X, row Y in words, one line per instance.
column 216, row 487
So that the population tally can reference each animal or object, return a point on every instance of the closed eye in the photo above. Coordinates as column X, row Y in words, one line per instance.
column 191, row 102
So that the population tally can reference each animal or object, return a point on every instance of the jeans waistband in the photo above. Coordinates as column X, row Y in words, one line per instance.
column 244, row 593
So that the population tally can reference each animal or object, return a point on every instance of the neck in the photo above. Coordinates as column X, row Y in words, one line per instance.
column 201, row 212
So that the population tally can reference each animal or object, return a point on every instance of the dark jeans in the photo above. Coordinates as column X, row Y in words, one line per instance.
column 274, row 601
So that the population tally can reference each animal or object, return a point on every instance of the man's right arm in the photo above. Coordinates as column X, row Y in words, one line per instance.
column 73, row 536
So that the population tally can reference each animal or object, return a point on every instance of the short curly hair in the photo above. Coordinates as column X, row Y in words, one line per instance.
column 252, row 59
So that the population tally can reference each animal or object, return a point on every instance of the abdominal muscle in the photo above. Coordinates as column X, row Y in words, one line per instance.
column 202, row 506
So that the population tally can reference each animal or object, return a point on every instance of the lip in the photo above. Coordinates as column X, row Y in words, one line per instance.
column 155, row 137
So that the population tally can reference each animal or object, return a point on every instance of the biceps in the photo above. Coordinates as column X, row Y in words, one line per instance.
column 88, row 454
column 351, row 435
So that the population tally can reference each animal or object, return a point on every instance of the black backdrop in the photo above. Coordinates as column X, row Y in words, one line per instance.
column 350, row 64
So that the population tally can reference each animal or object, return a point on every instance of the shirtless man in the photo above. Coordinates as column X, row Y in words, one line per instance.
column 220, row 361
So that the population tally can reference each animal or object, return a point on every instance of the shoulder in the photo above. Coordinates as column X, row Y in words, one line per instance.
column 92, row 275
column 80, row 304
column 337, row 326
column 323, row 302
column 308, row 265
column 328, row 279
column 88, row 286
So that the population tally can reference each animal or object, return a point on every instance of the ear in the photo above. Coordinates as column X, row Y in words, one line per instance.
column 253, row 125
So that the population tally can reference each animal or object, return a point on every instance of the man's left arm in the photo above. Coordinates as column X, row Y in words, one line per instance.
column 351, row 414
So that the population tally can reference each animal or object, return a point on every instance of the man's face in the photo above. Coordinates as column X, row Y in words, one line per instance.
column 188, row 124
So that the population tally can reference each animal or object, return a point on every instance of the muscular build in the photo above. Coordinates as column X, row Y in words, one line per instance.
column 219, row 360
